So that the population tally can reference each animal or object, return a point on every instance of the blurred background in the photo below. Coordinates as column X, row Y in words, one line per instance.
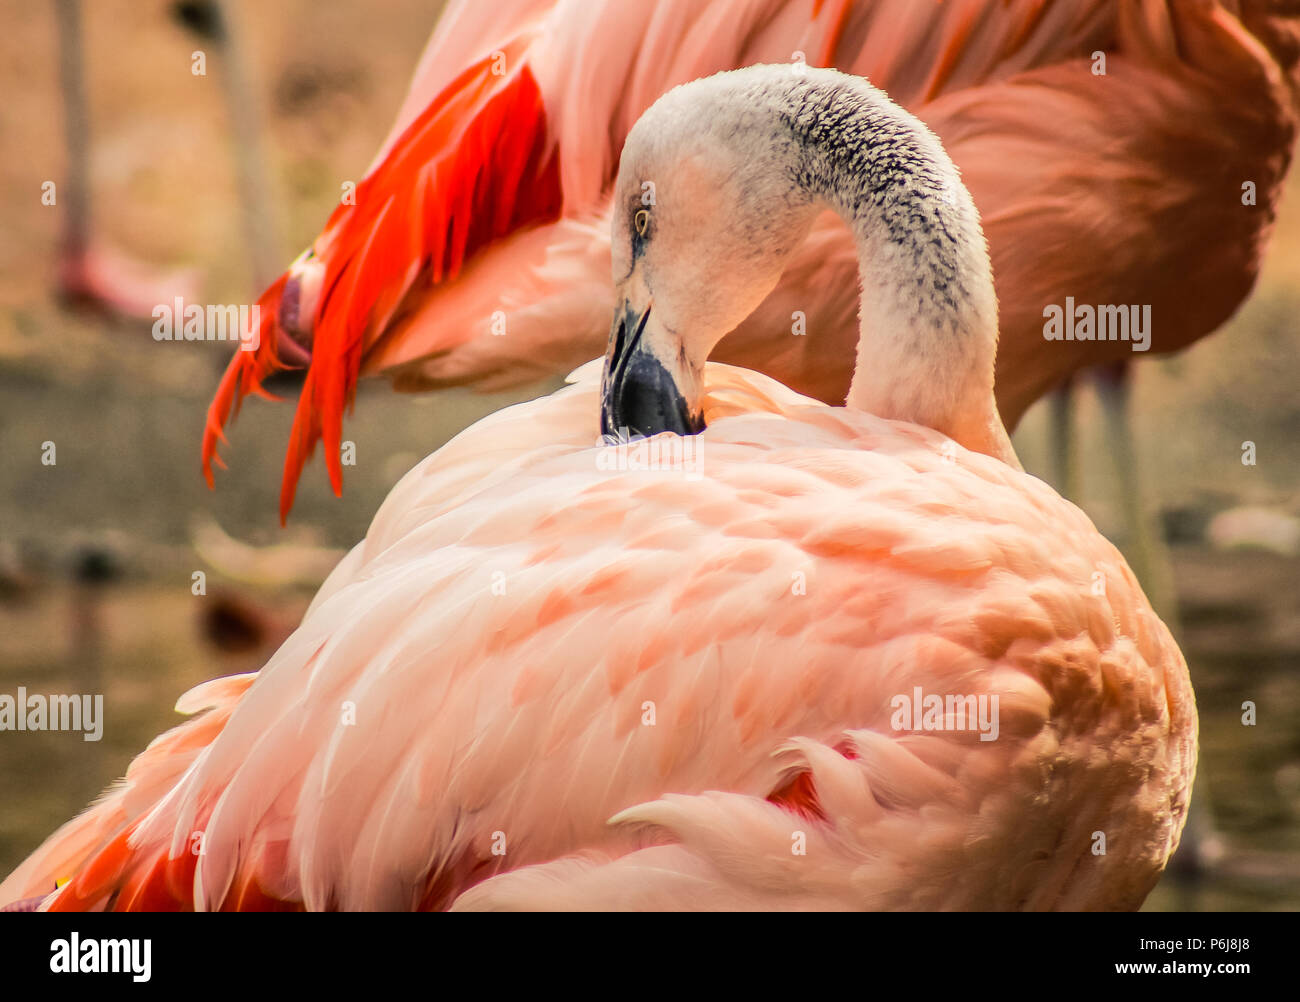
column 97, row 551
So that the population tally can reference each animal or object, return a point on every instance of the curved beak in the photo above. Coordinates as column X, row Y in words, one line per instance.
column 647, row 387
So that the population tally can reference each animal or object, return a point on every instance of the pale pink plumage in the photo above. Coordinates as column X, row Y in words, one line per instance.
column 522, row 712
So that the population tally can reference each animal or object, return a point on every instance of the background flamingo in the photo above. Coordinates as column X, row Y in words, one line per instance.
column 90, row 273
column 474, row 718
column 413, row 279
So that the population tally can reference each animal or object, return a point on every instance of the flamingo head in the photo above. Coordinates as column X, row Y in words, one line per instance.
column 720, row 182
column 704, row 219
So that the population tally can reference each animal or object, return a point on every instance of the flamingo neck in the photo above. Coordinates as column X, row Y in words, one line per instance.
column 928, row 318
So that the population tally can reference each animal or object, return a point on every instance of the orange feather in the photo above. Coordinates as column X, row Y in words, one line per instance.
column 473, row 167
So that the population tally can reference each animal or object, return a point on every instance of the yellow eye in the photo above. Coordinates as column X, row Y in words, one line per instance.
column 641, row 221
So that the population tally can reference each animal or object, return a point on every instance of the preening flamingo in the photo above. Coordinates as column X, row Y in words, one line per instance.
column 550, row 677
column 477, row 248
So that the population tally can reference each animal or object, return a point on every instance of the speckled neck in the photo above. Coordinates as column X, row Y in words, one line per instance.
column 928, row 336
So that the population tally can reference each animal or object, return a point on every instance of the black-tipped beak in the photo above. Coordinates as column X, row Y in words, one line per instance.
column 639, row 396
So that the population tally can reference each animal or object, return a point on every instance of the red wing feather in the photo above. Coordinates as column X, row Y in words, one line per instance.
column 475, row 166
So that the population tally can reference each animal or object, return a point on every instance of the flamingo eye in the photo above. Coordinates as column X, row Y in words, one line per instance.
column 641, row 221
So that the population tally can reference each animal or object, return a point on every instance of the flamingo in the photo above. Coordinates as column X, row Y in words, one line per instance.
column 93, row 275
column 90, row 273
column 551, row 677
column 476, row 250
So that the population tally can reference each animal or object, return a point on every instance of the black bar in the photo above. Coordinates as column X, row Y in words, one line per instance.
column 479, row 955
